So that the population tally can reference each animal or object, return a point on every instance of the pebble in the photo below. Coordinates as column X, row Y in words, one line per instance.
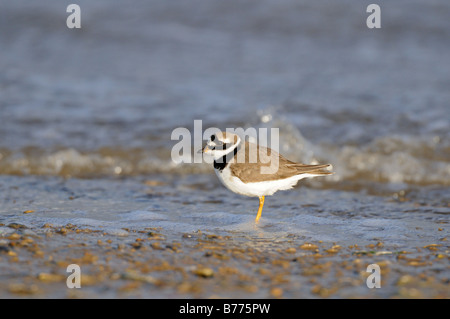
column 117, row 232
column 276, row 292
column 22, row 289
column 204, row 272
column 46, row 277
column 16, row 226
column 309, row 246
column 291, row 250
column 132, row 275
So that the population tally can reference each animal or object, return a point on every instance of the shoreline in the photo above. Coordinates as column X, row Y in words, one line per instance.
column 146, row 264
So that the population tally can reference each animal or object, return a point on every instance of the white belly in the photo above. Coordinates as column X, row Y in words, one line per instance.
column 257, row 189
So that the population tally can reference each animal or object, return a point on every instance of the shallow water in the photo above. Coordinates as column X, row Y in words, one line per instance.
column 86, row 117
column 179, row 206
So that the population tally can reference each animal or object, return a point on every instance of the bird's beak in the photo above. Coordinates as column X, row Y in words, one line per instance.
column 205, row 149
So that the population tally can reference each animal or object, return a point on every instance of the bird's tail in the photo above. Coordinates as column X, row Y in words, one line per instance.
column 321, row 169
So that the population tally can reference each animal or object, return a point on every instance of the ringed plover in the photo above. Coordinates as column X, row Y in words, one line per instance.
column 240, row 165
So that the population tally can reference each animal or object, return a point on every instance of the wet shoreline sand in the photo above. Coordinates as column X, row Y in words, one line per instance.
column 141, row 261
column 145, row 264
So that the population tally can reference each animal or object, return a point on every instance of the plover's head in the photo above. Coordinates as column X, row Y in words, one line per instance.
column 220, row 144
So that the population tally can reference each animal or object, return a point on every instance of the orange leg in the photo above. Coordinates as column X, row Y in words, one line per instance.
column 261, row 204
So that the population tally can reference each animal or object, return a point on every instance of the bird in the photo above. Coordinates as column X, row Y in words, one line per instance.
column 253, row 170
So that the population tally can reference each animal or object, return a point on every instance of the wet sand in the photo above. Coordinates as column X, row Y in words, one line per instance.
column 154, row 262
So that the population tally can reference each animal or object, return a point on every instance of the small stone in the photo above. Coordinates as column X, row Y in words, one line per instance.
column 16, row 226
column 404, row 280
column 45, row 277
column 291, row 250
column 204, row 272
column 14, row 236
column 132, row 275
column 157, row 246
column 154, row 183
column 378, row 253
column 276, row 292
column 23, row 289
column 89, row 280
column 308, row 246
column 136, row 245
column 432, row 247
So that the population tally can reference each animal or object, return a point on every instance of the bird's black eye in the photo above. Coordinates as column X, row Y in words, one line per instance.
column 213, row 137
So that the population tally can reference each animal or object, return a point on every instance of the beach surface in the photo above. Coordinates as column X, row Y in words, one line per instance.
column 150, row 241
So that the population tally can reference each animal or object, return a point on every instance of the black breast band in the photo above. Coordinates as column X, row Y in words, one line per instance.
column 223, row 162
